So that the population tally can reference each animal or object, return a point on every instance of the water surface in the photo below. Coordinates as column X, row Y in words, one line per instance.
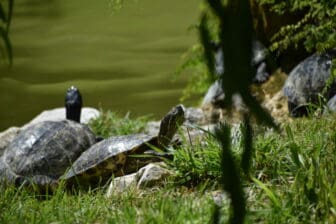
column 120, row 61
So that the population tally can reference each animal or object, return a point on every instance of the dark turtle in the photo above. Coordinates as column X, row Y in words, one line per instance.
column 41, row 153
column 111, row 157
column 307, row 81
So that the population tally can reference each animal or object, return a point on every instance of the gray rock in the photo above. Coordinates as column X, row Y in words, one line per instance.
column 306, row 82
column 6, row 137
column 194, row 115
column 258, row 61
column 58, row 114
column 331, row 105
column 153, row 174
column 215, row 95
column 122, row 184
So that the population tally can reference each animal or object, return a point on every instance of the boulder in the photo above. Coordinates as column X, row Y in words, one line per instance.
column 307, row 82
column 59, row 114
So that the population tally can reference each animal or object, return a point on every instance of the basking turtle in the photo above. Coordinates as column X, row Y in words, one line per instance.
column 41, row 153
column 307, row 80
column 112, row 156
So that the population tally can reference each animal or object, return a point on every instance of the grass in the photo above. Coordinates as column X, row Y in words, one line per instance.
column 292, row 180
column 111, row 123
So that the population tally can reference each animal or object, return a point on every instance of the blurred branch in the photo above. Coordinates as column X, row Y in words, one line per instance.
column 5, row 21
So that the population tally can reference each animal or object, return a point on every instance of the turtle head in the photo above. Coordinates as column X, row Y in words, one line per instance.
column 73, row 104
column 169, row 124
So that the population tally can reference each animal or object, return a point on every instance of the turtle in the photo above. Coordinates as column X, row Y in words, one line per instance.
column 307, row 81
column 41, row 153
column 113, row 156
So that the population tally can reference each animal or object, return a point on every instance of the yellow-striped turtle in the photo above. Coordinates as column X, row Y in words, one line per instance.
column 111, row 157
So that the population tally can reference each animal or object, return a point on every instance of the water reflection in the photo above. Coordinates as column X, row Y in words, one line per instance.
column 121, row 61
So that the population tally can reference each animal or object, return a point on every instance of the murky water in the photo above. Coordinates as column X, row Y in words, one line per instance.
column 120, row 61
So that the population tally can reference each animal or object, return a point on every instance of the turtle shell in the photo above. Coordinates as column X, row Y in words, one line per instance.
column 308, row 79
column 44, row 151
column 110, row 157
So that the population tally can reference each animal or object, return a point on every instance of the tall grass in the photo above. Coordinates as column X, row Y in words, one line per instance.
column 292, row 174
column 292, row 180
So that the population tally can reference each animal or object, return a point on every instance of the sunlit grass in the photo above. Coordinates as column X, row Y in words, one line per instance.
column 292, row 180
column 111, row 123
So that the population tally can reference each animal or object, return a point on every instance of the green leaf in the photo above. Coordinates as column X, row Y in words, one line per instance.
column 268, row 192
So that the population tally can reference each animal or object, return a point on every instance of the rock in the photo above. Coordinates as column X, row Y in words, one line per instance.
column 306, row 82
column 220, row 198
column 59, row 114
column 331, row 105
column 6, row 137
column 260, row 61
column 277, row 107
column 122, row 184
column 194, row 116
column 152, row 127
column 214, row 96
column 154, row 174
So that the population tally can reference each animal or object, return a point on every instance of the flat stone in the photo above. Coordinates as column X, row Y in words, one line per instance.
column 58, row 114
column 153, row 174
column 122, row 184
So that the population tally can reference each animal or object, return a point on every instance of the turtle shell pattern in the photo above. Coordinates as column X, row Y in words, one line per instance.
column 110, row 157
column 44, row 151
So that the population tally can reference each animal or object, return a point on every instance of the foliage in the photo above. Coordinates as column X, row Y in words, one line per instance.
column 110, row 123
column 93, row 207
column 235, row 38
column 291, row 180
column 316, row 29
column 5, row 20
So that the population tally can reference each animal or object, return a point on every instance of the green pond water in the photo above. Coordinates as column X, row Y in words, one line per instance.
column 121, row 60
